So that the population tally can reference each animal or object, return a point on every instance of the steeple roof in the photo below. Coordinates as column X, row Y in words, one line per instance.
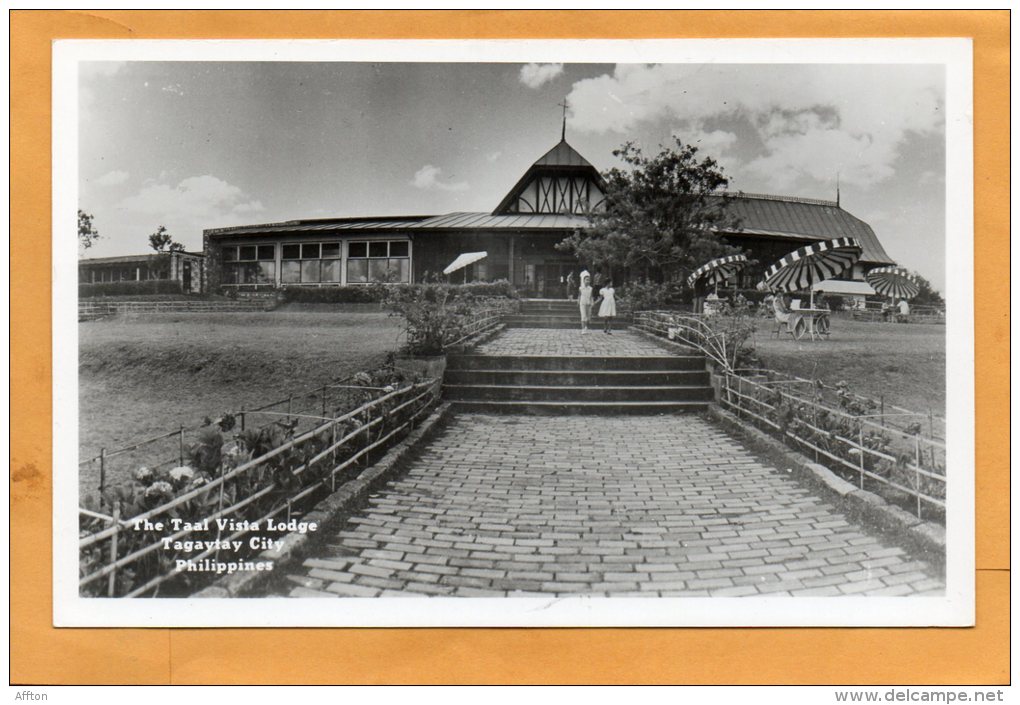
column 563, row 155
column 561, row 160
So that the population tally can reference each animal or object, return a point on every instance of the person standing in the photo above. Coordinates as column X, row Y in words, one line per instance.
column 584, row 300
column 571, row 283
column 607, row 309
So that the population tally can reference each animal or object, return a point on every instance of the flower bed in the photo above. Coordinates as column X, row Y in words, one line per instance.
column 236, row 478
column 897, row 453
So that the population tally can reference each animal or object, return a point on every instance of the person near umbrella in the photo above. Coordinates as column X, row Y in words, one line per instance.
column 904, row 312
column 607, row 307
column 584, row 300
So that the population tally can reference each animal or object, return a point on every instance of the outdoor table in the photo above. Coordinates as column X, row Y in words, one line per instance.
column 816, row 322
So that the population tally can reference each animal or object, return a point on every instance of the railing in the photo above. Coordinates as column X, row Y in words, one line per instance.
column 136, row 559
column 478, row 322
column 887, row 446
column 170, row 449
column 719, row 344
column 102, row 308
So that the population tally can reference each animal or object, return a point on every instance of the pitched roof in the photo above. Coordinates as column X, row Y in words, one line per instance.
column 562, row 155
column 562, row 158
column 449, row 221
column 804, row 219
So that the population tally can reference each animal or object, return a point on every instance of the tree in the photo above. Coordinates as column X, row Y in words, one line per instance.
column 660, row 217
column 162, row 241
column 87, row 233
column 928, row 296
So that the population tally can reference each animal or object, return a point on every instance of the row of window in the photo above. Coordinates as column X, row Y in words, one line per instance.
column 373, row 249
column 375, row 261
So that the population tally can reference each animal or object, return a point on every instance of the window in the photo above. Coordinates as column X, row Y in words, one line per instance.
column 378, row 261
column 249, row 264
column 311, row 263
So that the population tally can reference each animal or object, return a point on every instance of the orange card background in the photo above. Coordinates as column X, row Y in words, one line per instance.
column 41, row 654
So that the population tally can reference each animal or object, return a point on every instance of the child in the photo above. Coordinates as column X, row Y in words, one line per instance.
column 584, row 300
column 607, row 310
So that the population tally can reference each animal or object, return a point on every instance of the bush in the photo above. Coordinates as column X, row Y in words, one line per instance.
column 362, row 294
column 649, row 296
column 380, row 293
column 152, row 286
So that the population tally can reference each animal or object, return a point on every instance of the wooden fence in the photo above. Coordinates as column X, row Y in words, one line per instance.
column 120, row 557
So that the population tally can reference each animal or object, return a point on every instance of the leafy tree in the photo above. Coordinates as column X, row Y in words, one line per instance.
column 928, row 296
column 162, row 241
column 660, row 217
column 87, row 233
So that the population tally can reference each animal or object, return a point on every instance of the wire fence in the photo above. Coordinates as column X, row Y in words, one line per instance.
column 258, row 487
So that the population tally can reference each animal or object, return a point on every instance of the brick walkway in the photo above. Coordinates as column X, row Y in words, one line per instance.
column 540, row 506
column 556, row 342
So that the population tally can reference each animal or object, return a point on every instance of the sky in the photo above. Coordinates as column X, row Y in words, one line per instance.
column 195, row 145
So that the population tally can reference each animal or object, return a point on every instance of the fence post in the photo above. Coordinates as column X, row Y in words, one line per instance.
column 181, row 444
column 332, row 462
column 324, row 400
column 881, row 410
column 860, row 449
column 917, row 471
column 102, row 474
column 112, row 584
column 290, row 405
column 241, row 414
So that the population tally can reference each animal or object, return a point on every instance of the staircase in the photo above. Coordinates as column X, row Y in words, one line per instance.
column 577, row 385
column 558, row 313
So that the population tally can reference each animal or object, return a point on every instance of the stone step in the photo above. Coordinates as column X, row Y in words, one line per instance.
column 617, row 378
column 571, row 322
column 512, row 392
column 601, row 408
column 577, row 363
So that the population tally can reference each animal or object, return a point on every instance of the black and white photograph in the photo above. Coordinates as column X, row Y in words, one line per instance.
column 531, row 333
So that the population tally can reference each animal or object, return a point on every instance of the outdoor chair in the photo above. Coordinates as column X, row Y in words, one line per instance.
column 782, row 316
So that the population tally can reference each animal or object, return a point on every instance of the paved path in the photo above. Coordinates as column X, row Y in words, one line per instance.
column 657, row 506
column 557, row 342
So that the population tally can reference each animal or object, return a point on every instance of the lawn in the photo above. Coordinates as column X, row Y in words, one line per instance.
column 903, row 363
column 143, row 375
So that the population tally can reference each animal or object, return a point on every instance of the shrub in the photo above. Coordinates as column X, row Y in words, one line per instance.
column 152, row 286
column 358, row 294
column 650, row 296
column 381, row 293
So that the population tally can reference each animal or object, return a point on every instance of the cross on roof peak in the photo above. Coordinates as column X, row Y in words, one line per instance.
column 563, row 133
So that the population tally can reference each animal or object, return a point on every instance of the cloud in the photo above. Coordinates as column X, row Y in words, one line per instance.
column 196, row 202
column 713, row 142
column 428, row 176
column 174, row 88
column 803, row 121
column 537, row 75
column 113, row 178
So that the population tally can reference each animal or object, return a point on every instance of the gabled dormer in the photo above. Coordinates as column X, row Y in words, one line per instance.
column 562, row 181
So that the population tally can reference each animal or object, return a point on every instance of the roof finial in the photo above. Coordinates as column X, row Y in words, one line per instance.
column 563, row 133
column 837, row 189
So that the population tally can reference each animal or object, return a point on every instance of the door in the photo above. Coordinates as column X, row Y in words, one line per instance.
column 186, row 277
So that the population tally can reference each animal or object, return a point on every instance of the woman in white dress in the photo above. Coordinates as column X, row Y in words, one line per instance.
column 584, row 300
column 607, row 309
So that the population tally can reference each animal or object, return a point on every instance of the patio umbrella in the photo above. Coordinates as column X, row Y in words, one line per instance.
column 717, row 271
column 811, row 264
column 463, row 261
column 894, row 282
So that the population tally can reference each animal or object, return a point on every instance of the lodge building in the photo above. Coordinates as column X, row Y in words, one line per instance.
column 184, row 267
column 520, row 236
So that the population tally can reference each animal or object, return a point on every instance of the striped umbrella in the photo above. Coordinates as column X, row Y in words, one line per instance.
column 895, row 282
column 812, row 264
column 718, row 270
